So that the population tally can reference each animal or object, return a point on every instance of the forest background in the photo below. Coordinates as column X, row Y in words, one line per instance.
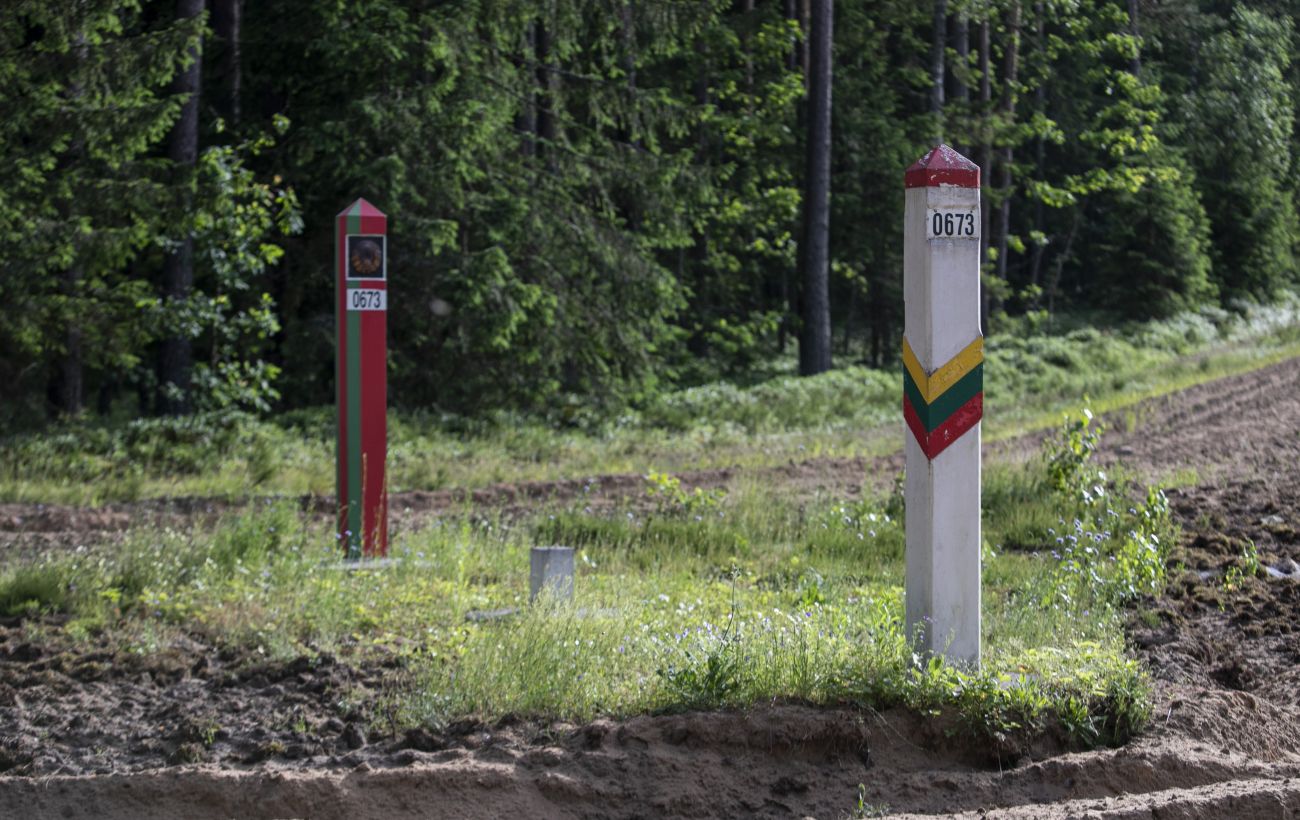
column 592, row 202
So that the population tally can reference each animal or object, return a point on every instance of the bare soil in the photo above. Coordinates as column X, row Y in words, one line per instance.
column 190, row 730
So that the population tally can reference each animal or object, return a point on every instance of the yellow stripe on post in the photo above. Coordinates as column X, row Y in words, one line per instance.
column 934, row 385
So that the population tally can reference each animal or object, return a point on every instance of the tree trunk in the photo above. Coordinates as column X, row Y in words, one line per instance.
column 1040, row 151
column 848, row 320
column 1135, row 65
column 698, row 343
column 815, row 341
column 805, row 44
column 526, row 120
column 794, row 62
column 1008, row 110
column 985, row 163
column 938, row 48
column 178, row 267
column 1054, row 286
column 226, row 15
column 67, row 389
column 961, row 33
column 547, row 101
column 627, row 37
column 747, row 7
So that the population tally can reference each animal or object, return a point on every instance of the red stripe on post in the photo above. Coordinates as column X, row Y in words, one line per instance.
column 374, row 432
column 942, row 166
column 374, row 406
column 914, row 423
column 953, row 428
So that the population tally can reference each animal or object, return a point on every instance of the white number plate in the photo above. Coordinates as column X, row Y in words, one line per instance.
column 952, row 223
column 367, row 299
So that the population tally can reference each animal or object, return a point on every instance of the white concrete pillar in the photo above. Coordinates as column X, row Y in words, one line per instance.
column 943, row 400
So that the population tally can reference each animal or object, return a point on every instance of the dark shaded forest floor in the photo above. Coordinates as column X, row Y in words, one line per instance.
column 102, row 732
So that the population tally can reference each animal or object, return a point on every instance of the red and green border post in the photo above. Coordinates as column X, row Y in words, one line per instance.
column 361, row 315
column 943, row 402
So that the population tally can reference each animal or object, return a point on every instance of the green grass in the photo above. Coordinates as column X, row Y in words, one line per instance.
column 686, row 601
column 848, row 412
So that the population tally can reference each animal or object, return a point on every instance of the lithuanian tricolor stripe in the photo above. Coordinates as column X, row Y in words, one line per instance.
column 940, row 406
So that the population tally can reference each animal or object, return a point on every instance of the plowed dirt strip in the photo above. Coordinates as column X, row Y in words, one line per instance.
column 1263, row 798
column 771, row 762
column 1223, row 646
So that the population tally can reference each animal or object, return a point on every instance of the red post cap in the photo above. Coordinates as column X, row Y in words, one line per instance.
column 942, row 166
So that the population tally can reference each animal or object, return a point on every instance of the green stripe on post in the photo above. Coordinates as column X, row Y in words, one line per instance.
column 935, row 414
column 354, row 411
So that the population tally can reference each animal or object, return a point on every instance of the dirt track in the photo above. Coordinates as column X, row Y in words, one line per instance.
column 1225, row 741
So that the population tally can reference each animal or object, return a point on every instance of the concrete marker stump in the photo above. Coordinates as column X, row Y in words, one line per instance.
column 551, row 570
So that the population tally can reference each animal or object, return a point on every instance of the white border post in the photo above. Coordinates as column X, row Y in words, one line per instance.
column 943, row 400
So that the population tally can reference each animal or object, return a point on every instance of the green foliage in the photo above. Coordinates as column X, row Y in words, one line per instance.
column 1069, row 455
column 231, row 323
column 595, row 204
column 1151, row 246
column 849, row 395
column 37, row 589
column 1241, row 124
column 84, row 89
column 844, row 413
column 1140, row 560
column 119, row 458
column 670, row 497
column 1105, row 556
column 1250, row 559
column 708, row 671
column 763, row 599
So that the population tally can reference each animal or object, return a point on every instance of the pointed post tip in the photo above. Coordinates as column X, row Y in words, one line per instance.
column 942, row 166
column 361, row 207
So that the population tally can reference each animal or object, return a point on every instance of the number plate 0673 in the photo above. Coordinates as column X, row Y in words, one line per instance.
column 367, row 299
column 952, row 223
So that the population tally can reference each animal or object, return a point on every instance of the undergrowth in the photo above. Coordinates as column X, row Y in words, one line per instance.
column 684, row 601
column 846, row 412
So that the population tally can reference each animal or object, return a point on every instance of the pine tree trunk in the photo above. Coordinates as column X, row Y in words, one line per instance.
column 747, row 8
column 698, row 343
column 961, row 34
column 1054, row 284
column 938, row 47
column 1008, row 110
column 985, row 163
column 794, row 62
column 175, row 355
column 67, row 389
column 226, row 17
column 815, row 342
column 1135, row 65
column 1040, row 151
column 548, row 97
column 526, row 119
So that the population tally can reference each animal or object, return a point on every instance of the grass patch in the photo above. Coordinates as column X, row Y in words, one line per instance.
column 690, row 601
column 1030, row 379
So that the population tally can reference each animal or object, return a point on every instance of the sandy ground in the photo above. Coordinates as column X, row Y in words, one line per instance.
column 106, row 733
